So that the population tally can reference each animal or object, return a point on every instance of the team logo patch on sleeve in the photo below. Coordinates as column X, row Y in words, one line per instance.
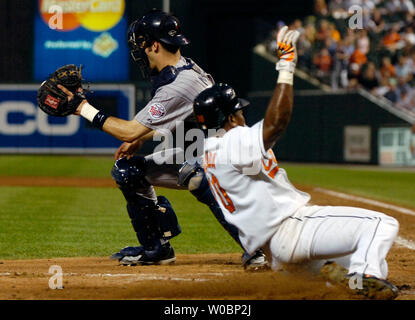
column 157, row 111
column 52, row 102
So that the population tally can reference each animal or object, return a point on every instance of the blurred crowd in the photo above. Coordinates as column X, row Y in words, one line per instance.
column 379, row 57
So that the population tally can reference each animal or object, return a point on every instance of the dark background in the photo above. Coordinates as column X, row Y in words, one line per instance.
column 222, row 33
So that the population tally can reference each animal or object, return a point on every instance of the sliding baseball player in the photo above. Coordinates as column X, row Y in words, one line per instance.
column 270, row 213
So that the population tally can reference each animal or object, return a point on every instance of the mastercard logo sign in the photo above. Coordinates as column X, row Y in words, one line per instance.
column 93, row 15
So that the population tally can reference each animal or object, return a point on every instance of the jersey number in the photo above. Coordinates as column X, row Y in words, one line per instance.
column 271, row 165
column 224, row 198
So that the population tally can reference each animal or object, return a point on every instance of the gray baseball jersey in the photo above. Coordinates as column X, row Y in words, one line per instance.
column 174, row 102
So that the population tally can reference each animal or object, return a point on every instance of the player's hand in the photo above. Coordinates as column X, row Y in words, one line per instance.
column 128, row 149
column 287, row 50
column 71, row 96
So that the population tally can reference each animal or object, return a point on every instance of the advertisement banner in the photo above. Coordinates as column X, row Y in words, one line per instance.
column 92, row 33
column 24, row 128
column 357, row 143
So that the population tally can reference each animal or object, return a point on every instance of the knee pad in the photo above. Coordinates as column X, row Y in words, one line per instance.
column 130, row 173
column 193, row 177
column 198, row 185
column 167, row 218
column 187, row 172
column 151, row 221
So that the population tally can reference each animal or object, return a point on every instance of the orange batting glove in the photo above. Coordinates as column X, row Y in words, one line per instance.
column 287, row 51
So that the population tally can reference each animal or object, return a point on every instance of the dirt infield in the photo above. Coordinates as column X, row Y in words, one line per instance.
column 202, row 276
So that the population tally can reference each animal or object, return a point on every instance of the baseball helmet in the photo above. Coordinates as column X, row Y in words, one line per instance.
column 154, row 26
column 213, row 106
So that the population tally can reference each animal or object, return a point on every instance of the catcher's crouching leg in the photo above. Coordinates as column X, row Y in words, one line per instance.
column 193, row 176
column 153, row 219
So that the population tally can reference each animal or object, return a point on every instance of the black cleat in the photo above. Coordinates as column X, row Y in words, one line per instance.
column 256, row 262
column 127, row 251
column 132, row 256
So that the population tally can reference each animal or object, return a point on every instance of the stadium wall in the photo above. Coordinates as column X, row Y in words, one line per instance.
column 326, row 126
column 321, row 123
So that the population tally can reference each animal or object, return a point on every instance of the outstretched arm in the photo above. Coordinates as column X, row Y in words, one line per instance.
column 279, row 110
column 278, row 114
column 124, row 130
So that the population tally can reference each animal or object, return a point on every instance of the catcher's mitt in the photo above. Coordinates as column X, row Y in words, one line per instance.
column 53, row 100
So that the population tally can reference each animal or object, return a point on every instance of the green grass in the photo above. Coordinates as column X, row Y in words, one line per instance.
column 43, row 222
column 47, row 222
column 56, row 166
column 391, row 186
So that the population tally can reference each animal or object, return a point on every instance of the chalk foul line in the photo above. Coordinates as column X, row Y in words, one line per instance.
column 366, row 200
column 399, row 240
column 137, row 277
column 402, row 242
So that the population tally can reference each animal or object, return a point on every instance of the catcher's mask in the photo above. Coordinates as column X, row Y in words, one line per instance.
column 213, row 106
column 154, row 26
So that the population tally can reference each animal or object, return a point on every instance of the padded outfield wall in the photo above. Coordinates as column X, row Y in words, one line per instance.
column 317, row 131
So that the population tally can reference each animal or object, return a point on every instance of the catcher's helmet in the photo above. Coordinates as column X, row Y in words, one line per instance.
column 213, row 106
column 154, row 26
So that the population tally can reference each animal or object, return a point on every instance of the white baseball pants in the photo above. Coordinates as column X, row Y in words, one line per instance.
column 360, row 238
